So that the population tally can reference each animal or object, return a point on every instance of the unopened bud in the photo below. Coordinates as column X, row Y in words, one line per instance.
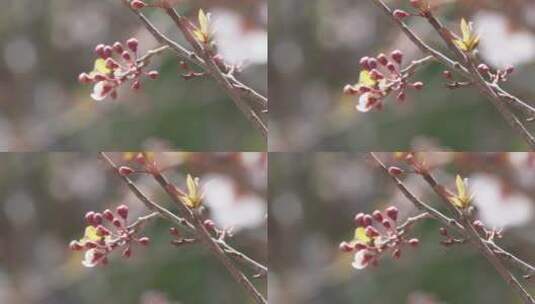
column 124, row 170
column 122, row 210
column 397, row 56
column 392, row 213
column 400, row 14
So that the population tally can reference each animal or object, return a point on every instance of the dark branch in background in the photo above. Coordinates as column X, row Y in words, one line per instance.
column 241, row 94
column 190, row 219
column 466, row 67
column 463, row 225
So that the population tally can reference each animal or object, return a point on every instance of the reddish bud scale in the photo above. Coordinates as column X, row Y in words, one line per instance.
column 173, row 231
column 418, row 85
column 124, row 170
column 127, row 252
column 447, row 74
column 345, row 247
column 509, row 69
column 126, row 56
column 395, row 171
column 137, row 4
column 144, row 241
column 396, row 254
column 90, row 245
column 483, row 68
column 443, row 231
column 75, row 246
column 136, row 85
column 209, row 224
column 414, row 242
column 400, row 14
column 84, row 78
column 391, row 67
column 350, row 90
column 153, row 74
column 392, row 213
column 364, row 89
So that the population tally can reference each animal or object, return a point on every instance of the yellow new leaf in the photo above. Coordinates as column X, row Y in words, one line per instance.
column 360, row 236
column 463, row 199
column 469, row 40
column 366, row 80
column 100, row 67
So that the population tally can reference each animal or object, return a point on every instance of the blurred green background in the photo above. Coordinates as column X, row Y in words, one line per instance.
column 314, row 50
column 45, row 45
column 314, row 198
column 43, row 200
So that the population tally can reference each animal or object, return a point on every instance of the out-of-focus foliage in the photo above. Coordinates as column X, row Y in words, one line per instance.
column 314, row 198
column 43, row 199
column 44, row 45
column 315, row 47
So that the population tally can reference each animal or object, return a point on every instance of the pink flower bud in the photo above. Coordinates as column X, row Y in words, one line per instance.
column 418, row 85
column 209, row 224
column 117, row 223
column 400, row 14
column 97, row 218
column 364, row 63
column 144, row 241
column 124, row 170
column 153, row 74
column 126, row 56
column 414, row 242
column 107, row 52
column 174, row 232
column 375, row 74
column 137, row 4
column 447, row 74
column 136, row 85
column 367, row 220
column 377, row 216
column 382, row 59
column 345, row 247
column 443, row 231
column 118, row 47
column 391, row 67
column 359, row 219
column 89, row 218
column 372, row 63
column 397, row 56
column 509, row 69
column 386, row 224
column 108, row 215
column 483, row 68
column 396, row 254
column 122, row 211
column 371, row 232
column 392, row 213
column 132, row 44
column 395, row 171
column 99, row 50
column 127, row 252
column 102, row 231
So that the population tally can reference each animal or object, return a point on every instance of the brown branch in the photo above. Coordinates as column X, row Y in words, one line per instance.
column 212, row 244
column 233, row 87
column 462, row 225
column 192, row 221
column 469, row 72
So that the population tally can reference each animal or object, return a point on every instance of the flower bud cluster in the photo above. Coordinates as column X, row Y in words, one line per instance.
column 116, row 64
column 107, row 231
column 375, row 235
column 381, row 76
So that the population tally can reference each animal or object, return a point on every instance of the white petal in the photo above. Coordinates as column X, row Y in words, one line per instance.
column 362, row 106
column 88, row 258
column 98, row 89
column 358, row 261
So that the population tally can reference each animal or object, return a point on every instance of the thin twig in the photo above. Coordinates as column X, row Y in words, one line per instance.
column 193, row 223
column 207, row 64
column 462, row 225
column 469, row 72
